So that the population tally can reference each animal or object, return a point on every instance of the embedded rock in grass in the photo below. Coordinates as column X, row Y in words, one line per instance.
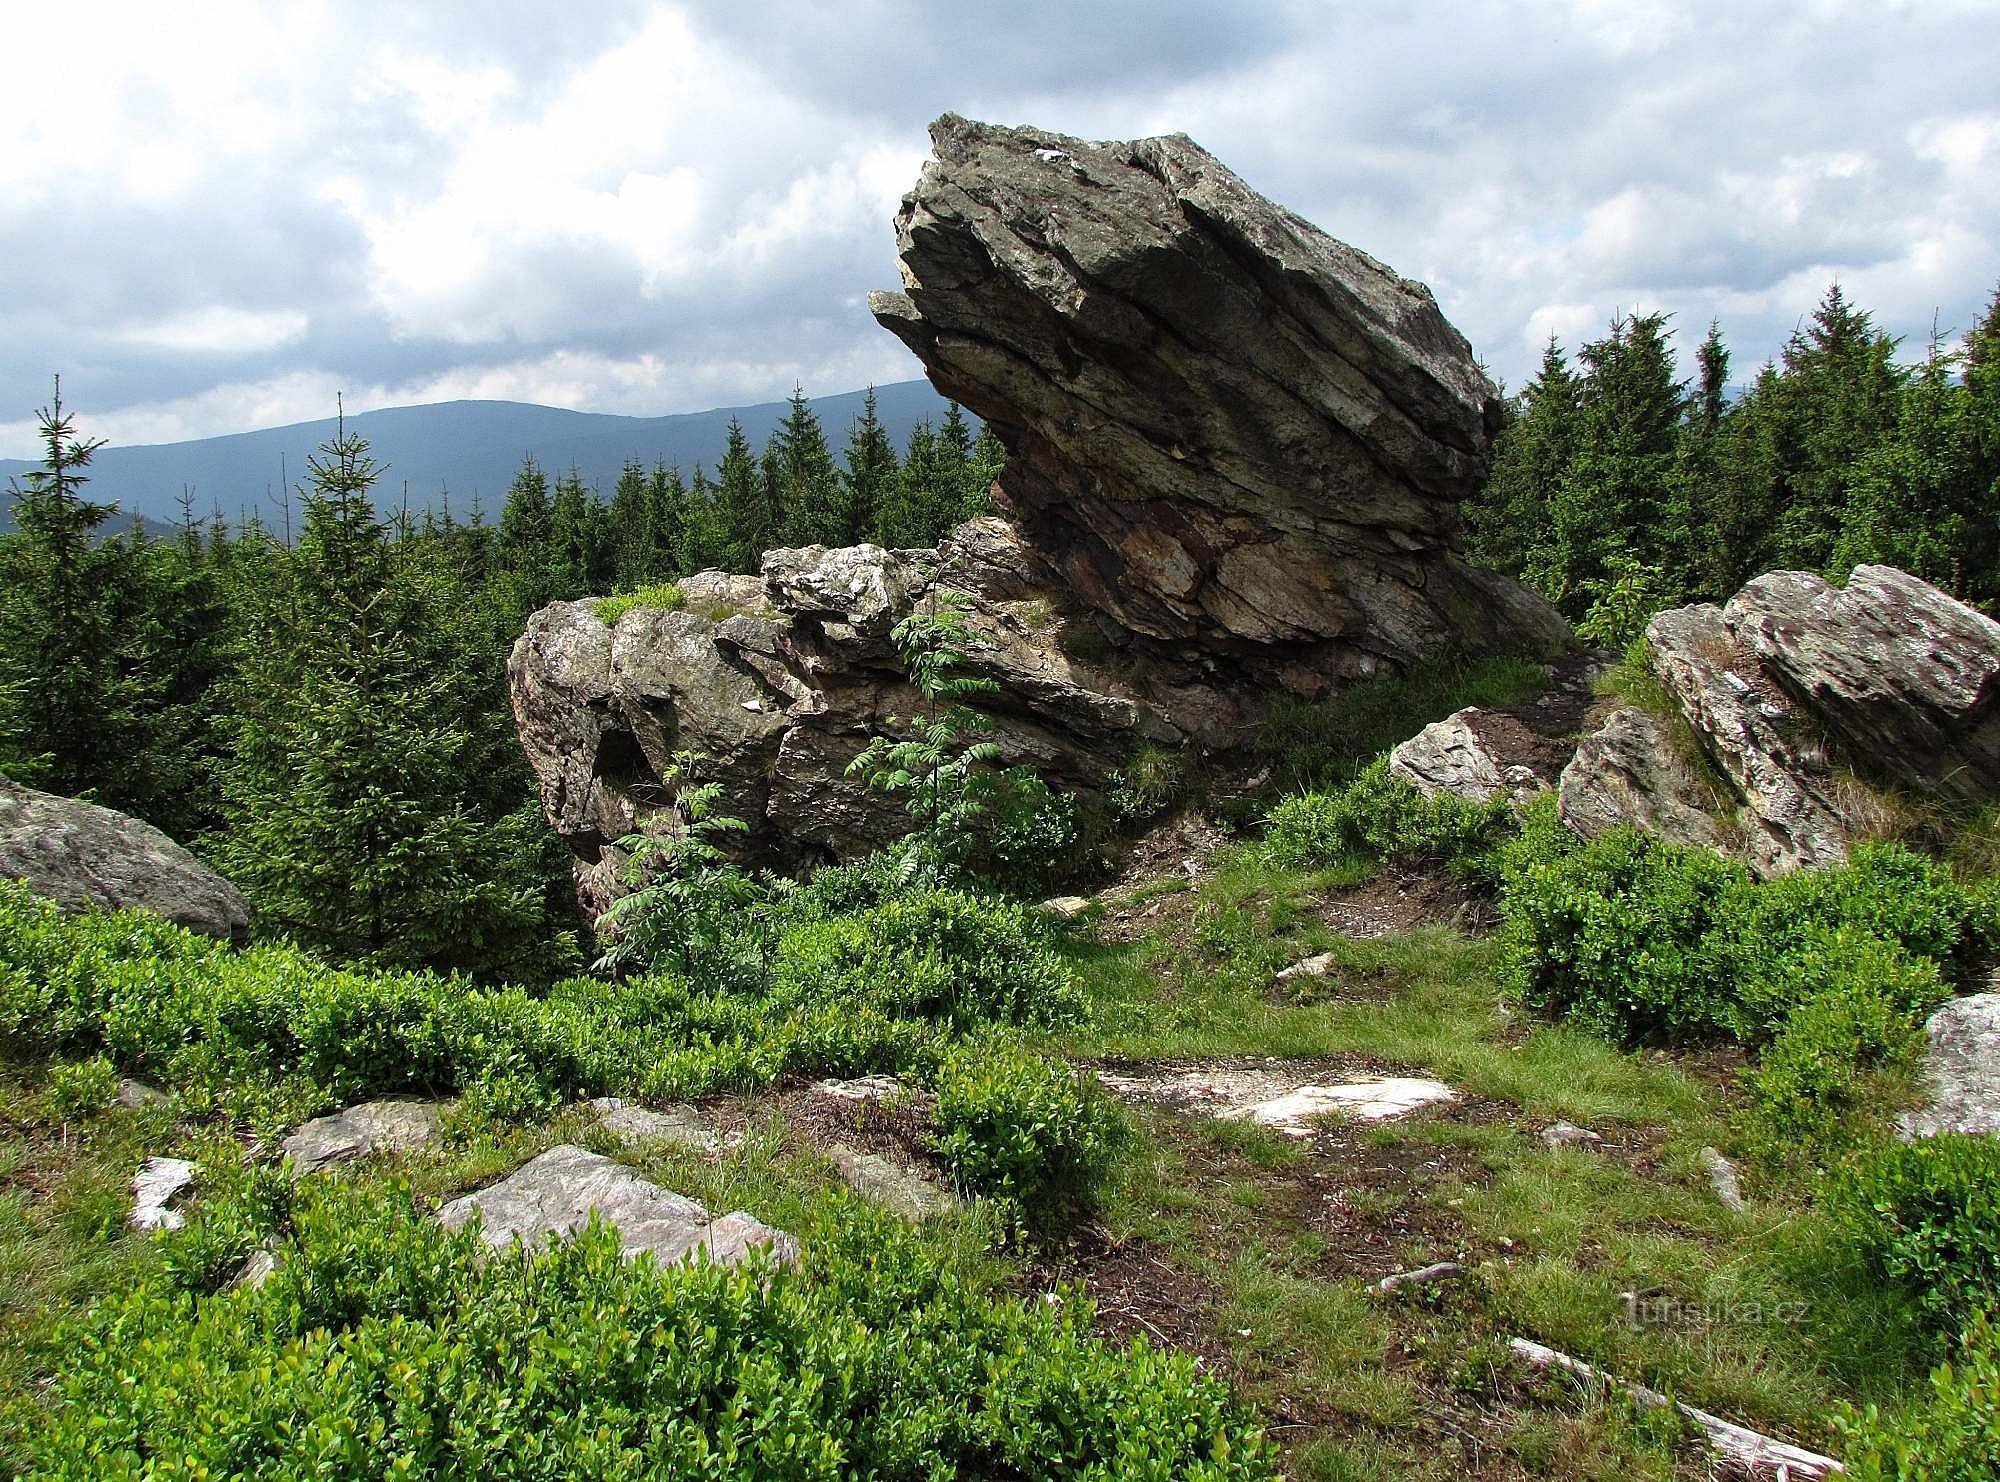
column 684, row 1126
column 1961, row 1070
column 157, row 1184
column 1569, row 1135
column 554, row 1196
column 900, row 1190
column 1066, row 907
column 1476, row 755
column 1630, row 771
column 1233, row 432
column 372, row 1127
column 88, row 858
column 1271, row 1098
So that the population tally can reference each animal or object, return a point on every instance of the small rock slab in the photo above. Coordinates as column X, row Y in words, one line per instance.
column 157, row 1183
column 1569, row 1135
column 901, row 1190
column 862, row 1088
column 137, row 1095
column 372, row 1127
column 683, row 1126
column 554, row 1195
column 1066, row 907
column 1961, row 1070
column 1317, row 966
column 1270, row 1098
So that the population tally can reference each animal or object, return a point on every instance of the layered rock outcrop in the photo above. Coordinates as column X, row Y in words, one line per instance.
column 85, row 857
column 1227, row 429
column 1236, row 449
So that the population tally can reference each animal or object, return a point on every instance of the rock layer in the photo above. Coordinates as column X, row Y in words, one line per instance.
column 1227, row 428
column 1236, row 453
column 85, row 857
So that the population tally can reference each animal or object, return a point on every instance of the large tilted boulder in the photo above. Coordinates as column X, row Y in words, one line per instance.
column 84, row 857
column 1227, row 428
column 1236, row 451
column 1808, row 703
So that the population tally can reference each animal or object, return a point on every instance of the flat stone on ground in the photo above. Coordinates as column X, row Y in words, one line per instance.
column 902, row 1191
column 157, row 1183
column 554, row 1196
column 682, row 1125
column 1961, row 1070
column 1272, row 1098
column 862, row 1088
column 372, row 1127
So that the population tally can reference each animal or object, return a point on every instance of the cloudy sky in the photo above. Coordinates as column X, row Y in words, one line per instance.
column 215, row 216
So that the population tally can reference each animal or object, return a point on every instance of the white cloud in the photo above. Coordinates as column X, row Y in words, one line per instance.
column 216, row 216
column 216, row 330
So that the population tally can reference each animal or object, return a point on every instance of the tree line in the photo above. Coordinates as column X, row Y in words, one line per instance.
column 1621, row 486
column 324, row 717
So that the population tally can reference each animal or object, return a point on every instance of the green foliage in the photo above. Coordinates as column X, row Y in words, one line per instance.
column 1033, row 834
column 1382, row 816
column 664, row 596
column 691, row 908
column 1855, row 1005
column 1952, row 1433
column 385, row 1346
column 1622, row 602
column 1642, row 939
column 1929, row 1213
column 1147, row 785
column 80, row 1088
column 940, row 761
column 939, row 955
column 1023, row 1127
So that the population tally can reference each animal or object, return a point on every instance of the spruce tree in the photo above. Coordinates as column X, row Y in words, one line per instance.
column 667, row 524
column 1510, row 521
column 573, row 562
column 69, row 699
column 346, row 791
column 808, row 487
column 989, row 457
column 527, row 534
column 869, row 474
column 629, row 552
column 750, row 518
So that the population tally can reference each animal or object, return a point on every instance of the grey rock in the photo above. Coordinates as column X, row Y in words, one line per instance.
column 681, row 1125
column 554, row 1195
column 1236, row 454
column 372, row 1127
column 1231, row 428
column 1631, row 771
column 87, row 858
column 901, row 1190
column 1316, row 966
column 1904, row 677
column 1752, row 729
column 1569, row 1135
column 1434, row 1274
column 862, row 1088
column 1475, row 755
column 258, row 1269
column 1961, row 1069
column 137, row 1096
column 1066, row 907
column 1722, row 1177
column 156, row 1185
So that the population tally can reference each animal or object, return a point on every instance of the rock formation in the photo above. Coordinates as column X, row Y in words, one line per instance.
column 1795, row 712
column 1226, row 428
column 84, row 857
column 1236, row 451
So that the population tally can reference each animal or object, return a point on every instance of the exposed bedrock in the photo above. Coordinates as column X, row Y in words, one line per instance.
column 1236, row 454
column 1225, row 428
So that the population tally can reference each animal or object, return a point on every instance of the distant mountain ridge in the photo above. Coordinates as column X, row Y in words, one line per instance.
column 463, row 448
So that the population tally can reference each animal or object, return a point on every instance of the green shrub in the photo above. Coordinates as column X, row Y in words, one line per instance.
column 1951, row 1435
column 386, row 1346
column 1024, row 1127
column 1930, row 1215
column 82, row 1088
column 1382, row 816
column 666, row 598
column 1032, row 833
column 1856, row 1003
column 1619, row 936
column 943, row 955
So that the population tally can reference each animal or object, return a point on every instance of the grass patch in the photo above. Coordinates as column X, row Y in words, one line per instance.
column 666, row 597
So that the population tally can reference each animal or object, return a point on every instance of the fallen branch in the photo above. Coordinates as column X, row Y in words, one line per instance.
column 1744, row 1452
column 1423, row 1276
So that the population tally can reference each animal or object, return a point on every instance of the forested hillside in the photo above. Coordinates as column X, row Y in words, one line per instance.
column 1622, row 484
column 327, row 717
